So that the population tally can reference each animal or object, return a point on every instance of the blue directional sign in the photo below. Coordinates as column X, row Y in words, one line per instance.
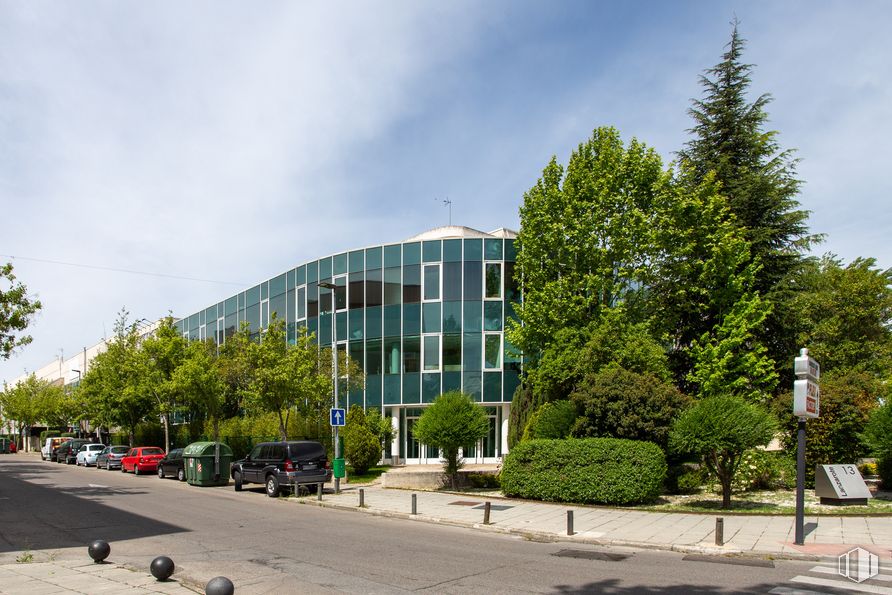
column 338, row 418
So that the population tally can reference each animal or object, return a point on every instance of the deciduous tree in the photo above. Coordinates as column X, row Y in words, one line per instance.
column 17, row 310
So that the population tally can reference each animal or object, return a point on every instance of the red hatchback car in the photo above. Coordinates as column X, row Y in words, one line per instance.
column 142, row 459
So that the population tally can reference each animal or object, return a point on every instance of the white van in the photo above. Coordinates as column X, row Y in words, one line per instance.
column 51, row 443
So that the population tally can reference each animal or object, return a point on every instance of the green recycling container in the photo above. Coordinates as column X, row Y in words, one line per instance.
column 338, row 468
column 198, row 461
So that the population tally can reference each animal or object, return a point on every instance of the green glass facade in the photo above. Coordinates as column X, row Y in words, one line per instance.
column 421, row 317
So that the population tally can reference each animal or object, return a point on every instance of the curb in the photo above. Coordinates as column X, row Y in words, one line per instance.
column 546, row 537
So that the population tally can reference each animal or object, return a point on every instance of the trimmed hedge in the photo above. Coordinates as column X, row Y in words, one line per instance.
column 585, row 471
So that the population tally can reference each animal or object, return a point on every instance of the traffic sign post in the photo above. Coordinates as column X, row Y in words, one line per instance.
column 806, row 404
column 337, row 417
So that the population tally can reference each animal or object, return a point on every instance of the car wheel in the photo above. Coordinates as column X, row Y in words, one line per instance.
column 181, row 475
column 160, row 471
column 123, row 469
column 237, row 477
column 272, row 486
column 136, row 469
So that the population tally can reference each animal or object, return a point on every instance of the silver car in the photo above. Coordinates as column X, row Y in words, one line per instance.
column 110, row 457
column 87, row 454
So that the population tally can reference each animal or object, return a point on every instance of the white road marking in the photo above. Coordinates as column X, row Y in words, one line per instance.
column 828, row 570
column 843, row 584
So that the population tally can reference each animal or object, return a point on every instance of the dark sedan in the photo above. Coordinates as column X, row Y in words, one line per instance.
column 172, row 465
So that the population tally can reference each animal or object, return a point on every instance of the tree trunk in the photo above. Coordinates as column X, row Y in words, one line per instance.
column 166, row 433
column 283, row 432
column 726, row 490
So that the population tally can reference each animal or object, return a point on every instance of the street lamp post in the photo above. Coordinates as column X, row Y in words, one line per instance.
column 334, row 366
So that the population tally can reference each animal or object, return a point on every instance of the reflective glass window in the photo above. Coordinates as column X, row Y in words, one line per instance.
column 357, row 261
column 431, row 281
column 411, row 284
column 231, row 306
column 392, row 256
column 392, row 356
column 253, row 296
column 393, row 286
column 301, row 302
column 252, row 315
column 357, row 291
column 312, row 300
column 264, row 290
column 373, row 321
column 473, row 249
column 356, row 354
column 264, row 314
column 492, row 316
column 451, row 250
column 430, row 389
column 231, row 324
column 210, row 313
column 341, row 293
column 512, row 286
column 510, row 250
column 411, row 354
column 412, row 253
column 431, row 251
column 472, row 351
column 473, row 316
column 492, row 386
column 473, row 280
column 411, row 319
column 290, row 307
column 339, row 264
column 325, row 297
column 374, row 287
column 452, row 353
column 313, row 271
column 356, row 324
column 324, row 333
column 241, row 301
column 277, row 305
column 492, row 351
column 452, row 317
column 493, row 279
column 277, row 285
column 289, row 279
column 430, row 317
column 301, row 275
column 452, row 280
column 373, row 258
column 341, row 320
column 392, row 321
column 432, row 353
column 325, row 268
column 373, row 364
column 492, row 249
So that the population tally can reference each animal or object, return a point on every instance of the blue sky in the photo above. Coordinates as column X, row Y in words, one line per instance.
column 230, row 142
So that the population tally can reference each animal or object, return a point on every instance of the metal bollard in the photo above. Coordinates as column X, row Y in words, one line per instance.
column 570, row 522
column 414, row 503
column 486, row 509
column 361, row 498
column 720, row 531
column 319, row 491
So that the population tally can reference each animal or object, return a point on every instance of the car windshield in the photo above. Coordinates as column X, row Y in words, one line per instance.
column 155, row 451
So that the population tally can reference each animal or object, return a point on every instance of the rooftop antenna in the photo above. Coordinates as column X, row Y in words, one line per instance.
column 448, row 203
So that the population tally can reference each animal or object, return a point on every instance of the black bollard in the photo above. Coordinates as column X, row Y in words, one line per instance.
column 414, row 503
column 361, row 498
column 569, row 522
column 219, row 585
column 486, row 508
column 99, row 550
column 720, row 531
column 162, row 567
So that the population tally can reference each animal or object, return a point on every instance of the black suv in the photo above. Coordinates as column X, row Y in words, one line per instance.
column 67, row 451
column 282, row 465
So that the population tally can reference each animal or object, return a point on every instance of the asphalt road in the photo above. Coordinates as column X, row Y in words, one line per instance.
column 275, row 546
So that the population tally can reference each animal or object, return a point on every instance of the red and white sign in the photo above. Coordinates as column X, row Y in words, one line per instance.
column 806, row 398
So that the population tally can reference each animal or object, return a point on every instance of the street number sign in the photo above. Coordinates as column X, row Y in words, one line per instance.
column 338, row 417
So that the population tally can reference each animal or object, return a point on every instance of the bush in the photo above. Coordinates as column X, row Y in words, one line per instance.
column 362, row 449
column 484, row 480
column 585, row 471
column 622, row 404
column 763, row 470
column 551, row 421
column 867, row 469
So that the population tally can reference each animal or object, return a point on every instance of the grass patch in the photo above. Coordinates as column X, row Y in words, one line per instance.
column 368, row 477
column 781, row 502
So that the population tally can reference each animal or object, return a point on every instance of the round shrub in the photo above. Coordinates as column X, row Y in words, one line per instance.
column 884, row 470
column 551, row 420
column 362, row 449
column 585, row 471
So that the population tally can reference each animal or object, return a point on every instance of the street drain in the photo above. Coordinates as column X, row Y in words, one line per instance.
column 727, row 560
column 591, row 555
column 494, row 507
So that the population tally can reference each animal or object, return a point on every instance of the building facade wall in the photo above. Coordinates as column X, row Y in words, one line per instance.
column 421, row 317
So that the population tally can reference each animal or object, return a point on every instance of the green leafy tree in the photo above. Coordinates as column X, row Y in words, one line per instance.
column 878, row 435
column 16, row 312
column 160, row 355
column 619, row 403
column 452, row 421
column 844, row 315
column 22, row 403
column 720, row 429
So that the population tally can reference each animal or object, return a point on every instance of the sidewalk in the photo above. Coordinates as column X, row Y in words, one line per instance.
column 750, row 535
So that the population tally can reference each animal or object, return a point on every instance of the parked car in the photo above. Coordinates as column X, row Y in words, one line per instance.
column 110, row 457
column 67, row 451
column 12, row 447
column 86, row 454
column 142, row 459
column 46, row 451
column 282, row 466
column 172, row 465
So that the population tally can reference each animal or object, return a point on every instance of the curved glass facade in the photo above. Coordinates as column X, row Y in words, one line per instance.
column 421, row 317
